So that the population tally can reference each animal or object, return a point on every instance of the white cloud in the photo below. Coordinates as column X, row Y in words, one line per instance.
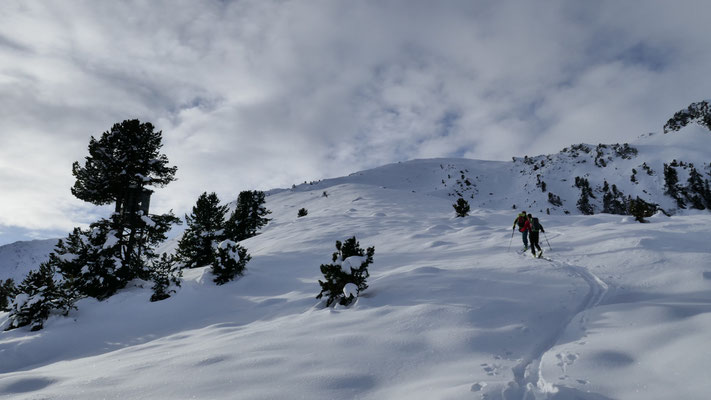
column 260, row 94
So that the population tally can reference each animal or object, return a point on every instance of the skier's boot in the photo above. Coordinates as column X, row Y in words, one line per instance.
column 540, row 253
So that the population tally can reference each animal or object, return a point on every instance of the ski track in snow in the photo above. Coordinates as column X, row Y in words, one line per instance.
column 527, row 376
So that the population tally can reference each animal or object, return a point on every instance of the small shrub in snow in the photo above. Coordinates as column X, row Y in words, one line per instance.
column 302, row 212
column 8, row 291
column 230, row 261
column 346, row 276
column 164, row 272
column 38, row 296
column 461, row 207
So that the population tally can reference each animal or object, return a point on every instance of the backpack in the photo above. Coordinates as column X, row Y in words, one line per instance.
column 535, row 225
column 521, row 221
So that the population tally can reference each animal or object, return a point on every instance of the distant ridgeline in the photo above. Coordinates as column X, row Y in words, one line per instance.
column 620, row 178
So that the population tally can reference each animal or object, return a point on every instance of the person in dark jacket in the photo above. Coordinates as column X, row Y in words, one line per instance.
column 535, row 228
column 522, row 220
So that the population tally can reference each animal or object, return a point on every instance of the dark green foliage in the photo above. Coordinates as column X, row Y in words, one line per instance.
column 613, row 201
column 696, row 112
column 230, row 261
column 120, row 165
column 671, row 184
column 126, row 157
column 633, row 177
column 97, row 263
column 640, row 209
column 38, row 296
column 249, row 216
column 206, row 225
column 89, row 260
column 586, row 193
column 164, row 272
column 335, row 278
column 302, row 212
column 8, row 291
column 695, row 192
column 554, row 199
column 461, row 207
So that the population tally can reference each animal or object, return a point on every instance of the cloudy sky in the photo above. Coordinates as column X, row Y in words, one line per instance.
column 263, row 94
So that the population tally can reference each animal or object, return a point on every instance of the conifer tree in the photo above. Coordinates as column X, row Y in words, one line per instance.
column 38, row 296
column 206, row 228
column 302, row 212
column 120, row 166
column 586, row 193
column 695, row 192
column 349, row 266
column 249, row 216
column 461, row 207
column 230, row 261
column 671, row 181
column 8, row 291
column 640, row 209
column 164, row 273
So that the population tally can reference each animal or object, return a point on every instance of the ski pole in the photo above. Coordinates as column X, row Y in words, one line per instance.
column 510, row 240
column 549, row 243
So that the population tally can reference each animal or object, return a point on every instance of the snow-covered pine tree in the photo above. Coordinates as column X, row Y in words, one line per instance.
column 248, row 217
column 164, row 273
column 230, row 262
column 120, row 166
column 88, row 260
column 8, row 291
column 38, row 296
column 461, row 207
column 206, row 228
column 355, row 261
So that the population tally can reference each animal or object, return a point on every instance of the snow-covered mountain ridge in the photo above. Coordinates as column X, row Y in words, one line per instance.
column 636, row 169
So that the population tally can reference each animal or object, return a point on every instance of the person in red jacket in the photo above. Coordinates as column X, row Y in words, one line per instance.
column 524, row 225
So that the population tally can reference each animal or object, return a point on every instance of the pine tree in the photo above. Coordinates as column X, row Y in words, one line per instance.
column 38, row 296
column 586, row 193
column 249, row 216
column 302, row 212
column 8, row 291
column 349, row 255
column 230, row 261
column 123, row 159
column 164, row 273
column 206, row 225
column 696, row 190
column 461, row 207
column 640, row 209
column 121, row 164
column 671, row 181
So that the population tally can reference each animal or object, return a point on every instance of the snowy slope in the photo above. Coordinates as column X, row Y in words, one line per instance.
column 618, row 310
column 17, row 259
